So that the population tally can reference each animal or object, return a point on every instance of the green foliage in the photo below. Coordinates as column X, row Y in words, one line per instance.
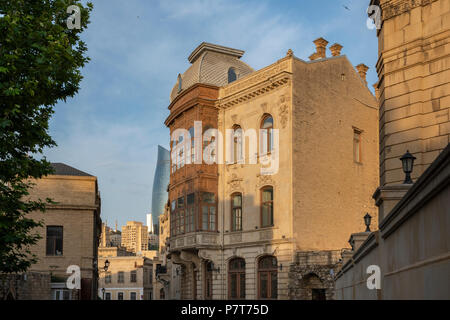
column 40, row 62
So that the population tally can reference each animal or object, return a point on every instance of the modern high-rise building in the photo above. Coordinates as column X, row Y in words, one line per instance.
column 135, row 236
column 160, row 183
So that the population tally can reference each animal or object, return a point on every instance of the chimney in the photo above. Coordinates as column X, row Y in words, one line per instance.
column 362, row 70
column 321, row 47
column 336, row 49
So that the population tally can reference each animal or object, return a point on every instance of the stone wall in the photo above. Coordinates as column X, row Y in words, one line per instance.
column 28, row 286
column 312, row 273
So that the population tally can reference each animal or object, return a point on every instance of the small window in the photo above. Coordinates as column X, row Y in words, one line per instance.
column 54, row 243
column 180, row 84
column 357, row 146
column 108, row 278
column 120, row 296
column 232, row 76
column 133, row 276
column 132, row 295
column 107, row 295
column 120, row 277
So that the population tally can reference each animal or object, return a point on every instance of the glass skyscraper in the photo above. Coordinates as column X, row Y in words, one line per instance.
column 160, row 183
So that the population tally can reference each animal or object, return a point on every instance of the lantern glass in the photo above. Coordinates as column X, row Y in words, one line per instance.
column 367, row 220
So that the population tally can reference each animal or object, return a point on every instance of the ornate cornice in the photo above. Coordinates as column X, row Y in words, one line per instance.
column 256, row 84
column 394, row 8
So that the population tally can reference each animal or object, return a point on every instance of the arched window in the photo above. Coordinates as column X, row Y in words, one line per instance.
column 236, row 212
column 266, row 144
column 267, row 278
column 238, row 149
column 236, row 279
column 180, row 84
column 232, row 76
column 267, row 207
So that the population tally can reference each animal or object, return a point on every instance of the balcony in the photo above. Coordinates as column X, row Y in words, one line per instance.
column 194, row 240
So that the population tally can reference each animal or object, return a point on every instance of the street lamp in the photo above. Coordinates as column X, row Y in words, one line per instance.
column 367, row 219
column 106, row 265
column 407, row 164
column 103, row 293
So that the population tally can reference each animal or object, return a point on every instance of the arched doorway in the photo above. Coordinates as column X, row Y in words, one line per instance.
column 313, row 287
column 267, row 278
column 236, row 279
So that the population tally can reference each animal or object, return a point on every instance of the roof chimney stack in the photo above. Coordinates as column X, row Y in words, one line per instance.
column 321, row 47
column 362, row 70
column 336, row 49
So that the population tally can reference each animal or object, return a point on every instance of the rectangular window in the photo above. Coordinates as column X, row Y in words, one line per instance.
column 107, row 295
column 108, row 278
column 120, row 296
column 357, row 146
column 236, row 212
column 132, row 295
column 54, row 242
column 267, row 207
column 133, row 276
column 208, row 211
column 120, row 277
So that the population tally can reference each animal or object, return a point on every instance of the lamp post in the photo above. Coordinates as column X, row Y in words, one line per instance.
column 105, row 269
column 367, row 219
column 407, row 165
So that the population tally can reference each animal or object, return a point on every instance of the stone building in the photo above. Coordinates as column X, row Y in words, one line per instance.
column 303, row 141
column 411, row 246
column 71, row 230
column 127, row 278
column 135, row 236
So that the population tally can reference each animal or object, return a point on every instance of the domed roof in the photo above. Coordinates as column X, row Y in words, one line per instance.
column 210, row 65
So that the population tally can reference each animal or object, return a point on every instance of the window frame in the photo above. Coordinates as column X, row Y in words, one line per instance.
column 267, row 271
column 262, row 203
column 233, row 224
column 233, row 70
column 208, row 205
column 54, row 241
column 268, row 148
column 239, row 282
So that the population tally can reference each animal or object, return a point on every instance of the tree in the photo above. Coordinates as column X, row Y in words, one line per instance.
column 41, row 56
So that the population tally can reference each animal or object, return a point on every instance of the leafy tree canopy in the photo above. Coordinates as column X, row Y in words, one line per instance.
column 40, row 63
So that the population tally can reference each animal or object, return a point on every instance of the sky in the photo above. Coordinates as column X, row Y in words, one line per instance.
column 112, row 127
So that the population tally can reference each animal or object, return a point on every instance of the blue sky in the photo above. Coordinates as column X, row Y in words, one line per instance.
column 112, row 128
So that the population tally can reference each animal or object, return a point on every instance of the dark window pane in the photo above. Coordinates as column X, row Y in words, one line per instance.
column 190, row 198
column 263, row 285
column 54, row 243
column 274, row 284
column 233, row 284
column 242, row 286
